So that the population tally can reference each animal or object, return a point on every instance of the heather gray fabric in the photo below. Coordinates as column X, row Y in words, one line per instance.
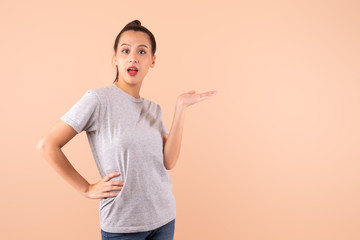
column 124, row 134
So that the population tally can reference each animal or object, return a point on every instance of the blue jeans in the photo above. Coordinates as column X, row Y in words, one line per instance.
column 165, row 232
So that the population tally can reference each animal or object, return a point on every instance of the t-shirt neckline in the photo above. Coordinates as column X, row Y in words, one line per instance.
column 132, row 98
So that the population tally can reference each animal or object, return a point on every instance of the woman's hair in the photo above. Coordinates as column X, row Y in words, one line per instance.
column 135, row 26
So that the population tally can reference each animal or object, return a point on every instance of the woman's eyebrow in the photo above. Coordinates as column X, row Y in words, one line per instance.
column 140, row 45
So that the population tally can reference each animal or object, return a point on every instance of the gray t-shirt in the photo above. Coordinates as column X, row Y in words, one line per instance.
column 125, row 135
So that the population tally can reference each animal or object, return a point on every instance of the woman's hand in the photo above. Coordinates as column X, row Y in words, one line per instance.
column 189, row 98
column 102, row 188
column 172, row 141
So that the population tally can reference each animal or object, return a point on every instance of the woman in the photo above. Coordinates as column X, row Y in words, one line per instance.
column 130, row 143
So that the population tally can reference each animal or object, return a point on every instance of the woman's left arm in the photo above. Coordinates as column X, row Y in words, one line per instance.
column 172, row 141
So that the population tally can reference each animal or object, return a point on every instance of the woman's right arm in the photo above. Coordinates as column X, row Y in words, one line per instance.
column 50, row 146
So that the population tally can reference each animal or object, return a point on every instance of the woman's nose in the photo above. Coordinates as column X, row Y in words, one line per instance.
column 132, row 58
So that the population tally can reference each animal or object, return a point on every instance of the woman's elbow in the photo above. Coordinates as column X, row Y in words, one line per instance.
column 40, row 145
column 43, row 145
column 169, row 166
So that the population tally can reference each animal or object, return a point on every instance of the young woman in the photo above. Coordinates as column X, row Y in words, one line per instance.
column 130, row 143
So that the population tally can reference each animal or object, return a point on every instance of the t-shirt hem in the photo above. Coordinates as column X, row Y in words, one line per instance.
column 136, row 229
column 71, row 122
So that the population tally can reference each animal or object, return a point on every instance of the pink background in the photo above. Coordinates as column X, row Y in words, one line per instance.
column 274, row 155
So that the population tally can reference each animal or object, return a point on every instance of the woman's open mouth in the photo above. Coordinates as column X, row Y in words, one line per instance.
column 132, row 71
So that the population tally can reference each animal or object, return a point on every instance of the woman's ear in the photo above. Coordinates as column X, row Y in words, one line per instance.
column 153, row 63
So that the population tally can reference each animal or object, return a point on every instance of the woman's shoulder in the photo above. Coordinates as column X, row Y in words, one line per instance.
column 101, row 92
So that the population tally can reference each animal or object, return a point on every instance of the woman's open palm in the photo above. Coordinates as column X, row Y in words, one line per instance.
column 189, row 98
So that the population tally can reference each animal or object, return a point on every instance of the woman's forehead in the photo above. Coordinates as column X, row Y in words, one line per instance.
column 132, row 38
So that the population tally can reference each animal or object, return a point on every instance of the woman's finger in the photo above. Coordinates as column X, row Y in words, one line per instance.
column 204, row 95
column 110, row 194
column 111, row 175
column 112, row 188
column 110, row 183
column 114, row 183
column 210, row 93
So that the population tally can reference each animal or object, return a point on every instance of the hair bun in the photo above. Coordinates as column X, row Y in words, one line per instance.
column 135, row 22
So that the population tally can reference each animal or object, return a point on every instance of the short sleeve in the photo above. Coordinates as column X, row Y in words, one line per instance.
column 84, row 114
column 163, row 127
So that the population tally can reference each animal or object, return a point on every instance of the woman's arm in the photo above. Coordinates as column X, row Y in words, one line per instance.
column 172, row 141
column 50, row 148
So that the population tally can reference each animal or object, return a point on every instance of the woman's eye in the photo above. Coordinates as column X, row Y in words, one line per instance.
column 124, row 50
column 142, row 51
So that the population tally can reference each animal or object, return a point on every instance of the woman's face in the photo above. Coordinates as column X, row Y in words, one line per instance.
column 134, row 49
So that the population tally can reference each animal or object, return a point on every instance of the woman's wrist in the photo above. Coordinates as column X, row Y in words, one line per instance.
column 180, row 106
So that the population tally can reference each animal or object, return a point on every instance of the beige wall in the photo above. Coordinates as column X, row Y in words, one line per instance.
column 275, row 155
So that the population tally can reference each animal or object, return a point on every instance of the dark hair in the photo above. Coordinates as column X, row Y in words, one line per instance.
column 135, row 26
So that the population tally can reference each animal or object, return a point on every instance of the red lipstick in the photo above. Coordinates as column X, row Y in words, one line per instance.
column 132, row 70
